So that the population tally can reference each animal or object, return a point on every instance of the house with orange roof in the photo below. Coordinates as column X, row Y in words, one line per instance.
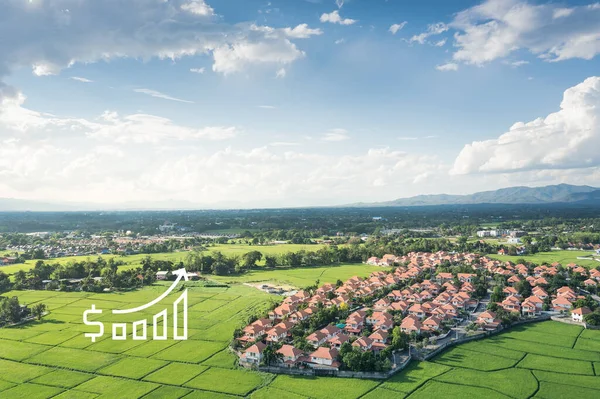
column 338, row 340
column 399, row 306
column 511, row 304
column 528, row 308
column 381, row 304
column 511, row 291
column 324, row 358
column 281, row 311
column 395, row 295
column 590, row 283
column 465, row 277
column 444, row 277
column 540, row 293
column 513, row 279
column 277, row 334
column 317, row 338
column 410, row 324
column 379, row 338
column 254, row 354
column 561, row 304
column 290, row 355
column 579, row 313
column 432, row 323
column 417, row 310
column 363, row 343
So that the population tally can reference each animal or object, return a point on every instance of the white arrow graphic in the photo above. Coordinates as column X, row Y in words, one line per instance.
column 179, row 273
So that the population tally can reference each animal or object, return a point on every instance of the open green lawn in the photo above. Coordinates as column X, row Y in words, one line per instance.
column 52, row 358
column 563, row 257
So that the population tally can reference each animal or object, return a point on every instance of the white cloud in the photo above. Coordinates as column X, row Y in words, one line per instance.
column 450, row 66
column 339, row 41
column 302, row 31
column 233, row 58
column 158, row 94
column 149, row 158
column 397, row 27
column 519, row 63
column 432, row 30
column 566, row 139
column 408, row 138
column 280, row 74
column 496, row 28
column 143, row 128
column 49, row 36
column 440, row 43
column 198, row 70
column 198, row 7
column 335, row 18
column 336, row 135
column 267, row 106
column 80, row 79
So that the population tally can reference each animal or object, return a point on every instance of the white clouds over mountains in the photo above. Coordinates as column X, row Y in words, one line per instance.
column 567, row 139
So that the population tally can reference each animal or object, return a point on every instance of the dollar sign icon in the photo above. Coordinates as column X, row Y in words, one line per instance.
column 93, row 323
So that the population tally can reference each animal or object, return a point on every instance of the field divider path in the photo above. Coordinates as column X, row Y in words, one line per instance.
column 538, row 385
column 474, row 386
column 577, row 338
column 425, row 382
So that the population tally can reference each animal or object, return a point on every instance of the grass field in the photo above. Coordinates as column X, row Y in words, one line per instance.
column 563, row 257
column 134, row 261
column 52, row 358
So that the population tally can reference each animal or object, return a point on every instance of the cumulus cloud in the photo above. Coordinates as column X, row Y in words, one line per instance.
column 397, row 27
column 198, row 70
column 198, row 7
column 49, row 36
column 158, row 94
column 233, row 58
column 496, row 28
column 450, row 66
column 302, row 31
column 335, row 18
column 280, row 74
column 566, row 139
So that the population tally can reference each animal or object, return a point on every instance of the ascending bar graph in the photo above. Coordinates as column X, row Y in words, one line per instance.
column 160, row 320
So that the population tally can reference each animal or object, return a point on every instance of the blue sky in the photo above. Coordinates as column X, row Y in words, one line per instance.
column 292, row 103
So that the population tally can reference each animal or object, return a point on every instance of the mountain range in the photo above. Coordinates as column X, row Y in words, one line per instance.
column 561, row 193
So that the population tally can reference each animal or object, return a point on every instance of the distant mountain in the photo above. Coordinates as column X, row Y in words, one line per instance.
column 562, row 193
column 512, row 195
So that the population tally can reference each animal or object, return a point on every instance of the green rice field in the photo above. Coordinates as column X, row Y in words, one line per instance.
column 562, row 257
column 134, row 261
column 52, row 358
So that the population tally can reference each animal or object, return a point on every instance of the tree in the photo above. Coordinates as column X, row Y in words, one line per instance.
column 399, row 339
column 588, row 302
column 10, row 310
column 270, row 355
column 497, row 294
column 593, row 318
column 524, row 288
column 270, row 262
column 38, row 310
column 5, row 284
